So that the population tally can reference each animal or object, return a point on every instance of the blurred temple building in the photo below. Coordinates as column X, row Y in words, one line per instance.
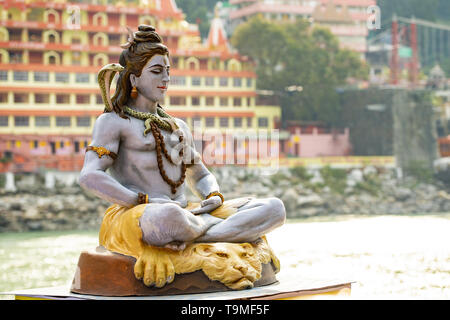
column 51, row 51
column 346, row 19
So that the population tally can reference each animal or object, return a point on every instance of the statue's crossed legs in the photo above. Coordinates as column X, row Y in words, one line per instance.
column 147, row 231
column 172, row 226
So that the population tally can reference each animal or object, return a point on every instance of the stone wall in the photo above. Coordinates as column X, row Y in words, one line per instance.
column 305, row 192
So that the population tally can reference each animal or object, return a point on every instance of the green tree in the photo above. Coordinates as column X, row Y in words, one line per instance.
column 293, row 54
column 199, row 12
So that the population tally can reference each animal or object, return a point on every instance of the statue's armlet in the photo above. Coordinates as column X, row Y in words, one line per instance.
column 103, row 149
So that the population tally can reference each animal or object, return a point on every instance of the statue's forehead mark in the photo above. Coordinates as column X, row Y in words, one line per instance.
column 155, row 61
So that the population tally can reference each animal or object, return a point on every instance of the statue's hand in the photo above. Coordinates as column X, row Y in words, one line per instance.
column 208, row 205
column 154, row 267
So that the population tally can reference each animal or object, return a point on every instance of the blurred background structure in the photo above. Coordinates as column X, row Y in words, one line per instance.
column 246, row 65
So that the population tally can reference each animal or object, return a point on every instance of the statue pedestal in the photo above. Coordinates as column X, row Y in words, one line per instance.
column 104, row 273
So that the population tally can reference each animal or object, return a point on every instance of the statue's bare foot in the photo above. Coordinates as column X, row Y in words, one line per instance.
column 176, row 245
column 154, row 267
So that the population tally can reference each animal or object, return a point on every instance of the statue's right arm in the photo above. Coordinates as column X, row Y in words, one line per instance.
column 93, row 177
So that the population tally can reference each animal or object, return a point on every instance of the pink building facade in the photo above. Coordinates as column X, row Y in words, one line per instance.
column 314, row 141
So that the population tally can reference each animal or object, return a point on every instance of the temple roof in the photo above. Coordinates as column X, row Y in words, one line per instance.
column 217, row 37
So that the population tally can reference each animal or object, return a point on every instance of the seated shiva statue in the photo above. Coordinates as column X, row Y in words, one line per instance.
column 141, row 158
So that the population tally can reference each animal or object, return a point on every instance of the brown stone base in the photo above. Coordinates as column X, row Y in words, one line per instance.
column 104, row 273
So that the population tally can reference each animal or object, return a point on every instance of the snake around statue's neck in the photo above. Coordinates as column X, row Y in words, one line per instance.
column 166, row 123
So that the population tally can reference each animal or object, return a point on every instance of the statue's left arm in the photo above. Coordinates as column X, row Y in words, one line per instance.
column 203, row 184
column 199, row 179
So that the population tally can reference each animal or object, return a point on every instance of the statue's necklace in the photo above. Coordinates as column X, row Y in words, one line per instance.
column 154, row 124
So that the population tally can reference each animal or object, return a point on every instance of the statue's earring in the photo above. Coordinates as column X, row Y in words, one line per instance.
column 134, row 93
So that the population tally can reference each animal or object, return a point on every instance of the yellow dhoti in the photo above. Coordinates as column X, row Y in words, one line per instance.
column 120, row 231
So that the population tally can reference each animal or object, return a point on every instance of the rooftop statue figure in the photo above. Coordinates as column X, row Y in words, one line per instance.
column 150, row 157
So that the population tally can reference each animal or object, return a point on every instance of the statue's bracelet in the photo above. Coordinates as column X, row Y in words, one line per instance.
column 215, row 193
column 142, row 198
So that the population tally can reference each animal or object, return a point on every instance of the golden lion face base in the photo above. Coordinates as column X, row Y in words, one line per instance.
column 235, row 266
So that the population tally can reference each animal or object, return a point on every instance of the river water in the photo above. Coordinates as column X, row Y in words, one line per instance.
column 388, row 257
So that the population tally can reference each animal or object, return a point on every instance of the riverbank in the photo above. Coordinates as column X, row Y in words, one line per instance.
column 305, row 192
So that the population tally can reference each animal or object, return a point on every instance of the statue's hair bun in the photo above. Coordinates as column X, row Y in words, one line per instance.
column 144, row 27
column 146, row 33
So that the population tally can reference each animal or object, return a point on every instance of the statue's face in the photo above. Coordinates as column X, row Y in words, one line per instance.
column 154, row 80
